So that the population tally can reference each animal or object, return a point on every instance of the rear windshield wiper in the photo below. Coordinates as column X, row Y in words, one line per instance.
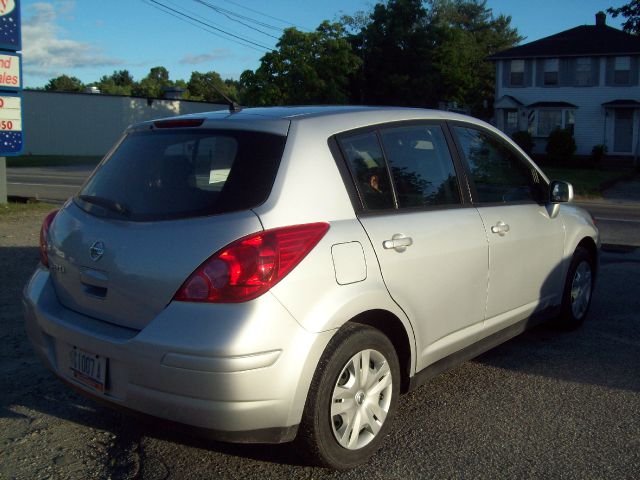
column 106, row 203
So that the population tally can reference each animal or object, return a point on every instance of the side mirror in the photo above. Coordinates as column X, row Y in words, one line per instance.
column 560, row 192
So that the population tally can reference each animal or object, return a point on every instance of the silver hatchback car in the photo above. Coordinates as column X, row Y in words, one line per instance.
column 285, row 273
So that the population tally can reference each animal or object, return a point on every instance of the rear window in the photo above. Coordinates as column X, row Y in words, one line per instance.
column 155, row 175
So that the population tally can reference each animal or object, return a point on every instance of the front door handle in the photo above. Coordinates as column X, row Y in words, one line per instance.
column 399, row 242
column 500, row 228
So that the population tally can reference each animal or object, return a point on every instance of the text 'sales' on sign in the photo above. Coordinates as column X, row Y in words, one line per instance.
column 10, row 37
column 10, row 77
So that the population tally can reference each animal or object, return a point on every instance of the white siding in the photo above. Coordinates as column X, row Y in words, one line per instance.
column 590, row 120
column 88, row 124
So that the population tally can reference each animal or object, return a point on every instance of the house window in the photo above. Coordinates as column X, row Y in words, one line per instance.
column 510, row 121
column 569, row 120
column 583, row 72
column 622, row 70
column 517, row 73
column 551, row 71
column 550, row 119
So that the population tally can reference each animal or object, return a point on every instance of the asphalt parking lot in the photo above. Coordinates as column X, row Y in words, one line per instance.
column 547, row 404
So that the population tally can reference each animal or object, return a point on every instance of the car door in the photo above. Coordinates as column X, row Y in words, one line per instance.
column 525, row 242
column 430, row 242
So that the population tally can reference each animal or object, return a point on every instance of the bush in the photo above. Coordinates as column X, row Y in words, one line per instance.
column 598, row 152
column 524, row 140
column 560, row 146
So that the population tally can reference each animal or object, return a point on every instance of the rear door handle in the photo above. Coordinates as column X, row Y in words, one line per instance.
column 500, row 228
column 399, row 242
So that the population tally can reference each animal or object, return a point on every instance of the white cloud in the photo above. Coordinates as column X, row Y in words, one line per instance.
column 216, row 54
column 46, row 53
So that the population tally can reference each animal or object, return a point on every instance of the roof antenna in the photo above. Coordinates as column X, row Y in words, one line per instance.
column 234, row 107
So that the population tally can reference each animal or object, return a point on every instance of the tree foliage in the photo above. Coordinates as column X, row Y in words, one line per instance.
column 64, row 83
column 305, row 68
column 120, row 82
column 205, row 87
column 631, row 11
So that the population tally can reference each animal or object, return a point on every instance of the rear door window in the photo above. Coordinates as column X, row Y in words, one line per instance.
column 157, row 175
column 421, row 165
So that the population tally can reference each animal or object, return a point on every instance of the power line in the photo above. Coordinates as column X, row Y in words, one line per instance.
column 243, row 41
column 266, row 15
column 230, row 17
column 238, row 15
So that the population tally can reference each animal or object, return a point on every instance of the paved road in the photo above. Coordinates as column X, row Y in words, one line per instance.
column 54, row 184
column 619, row 223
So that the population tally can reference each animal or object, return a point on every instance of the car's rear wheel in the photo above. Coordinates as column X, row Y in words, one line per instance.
column 578, row 290
column 352, row 398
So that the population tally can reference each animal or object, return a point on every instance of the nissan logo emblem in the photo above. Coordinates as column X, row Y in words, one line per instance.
column 96, row 251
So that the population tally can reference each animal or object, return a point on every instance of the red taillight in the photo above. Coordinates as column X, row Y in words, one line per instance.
column 44, row 237
column 248, row 267
column 179, row 123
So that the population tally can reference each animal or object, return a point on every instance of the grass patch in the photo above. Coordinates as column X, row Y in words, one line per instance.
column 16, row 210
column 587, row 182
column 52, row 160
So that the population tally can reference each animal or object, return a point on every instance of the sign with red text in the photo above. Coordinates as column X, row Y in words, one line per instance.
column 10, row 35
column 10, row 71
column 11, row 136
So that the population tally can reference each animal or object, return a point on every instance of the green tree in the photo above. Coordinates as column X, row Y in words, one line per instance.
column 468, row 32
column 120, row 82
column 202, row 86
column 151, row 85
column 396, row 47
column 312, row 67
column 419, row 52
column 64, row 83
column 631, row 11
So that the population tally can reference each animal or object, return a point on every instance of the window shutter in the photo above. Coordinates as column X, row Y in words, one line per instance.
column 595, row 71
column 528, row 67
column 540, row 72
column 609, row 72
column 633, row 75
column 506, row 73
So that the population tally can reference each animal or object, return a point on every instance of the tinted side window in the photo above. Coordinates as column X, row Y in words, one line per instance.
column 366, row 162
column 499, row 175
column 421, row 166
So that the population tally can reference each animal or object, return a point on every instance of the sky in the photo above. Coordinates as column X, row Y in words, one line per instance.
column 91, row 38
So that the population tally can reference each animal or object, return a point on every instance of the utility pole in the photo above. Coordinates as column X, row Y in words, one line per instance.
column 11, row 135
column 3, row 180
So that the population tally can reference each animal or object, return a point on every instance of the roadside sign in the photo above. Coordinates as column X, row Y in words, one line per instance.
column 11, row 135
column 10, row 35
column 10, row 70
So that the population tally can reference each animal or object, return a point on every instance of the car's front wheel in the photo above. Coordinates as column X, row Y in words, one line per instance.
column 578, row 290
column 352, row 398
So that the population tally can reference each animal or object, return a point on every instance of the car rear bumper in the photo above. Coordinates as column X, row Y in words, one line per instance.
column 240, row 371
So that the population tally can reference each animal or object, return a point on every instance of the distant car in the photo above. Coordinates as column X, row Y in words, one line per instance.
column 287, row 272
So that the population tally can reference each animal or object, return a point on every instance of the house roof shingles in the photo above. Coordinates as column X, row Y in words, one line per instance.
column 583, row 41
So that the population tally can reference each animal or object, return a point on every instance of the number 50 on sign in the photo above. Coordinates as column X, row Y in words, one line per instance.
column 10, row 124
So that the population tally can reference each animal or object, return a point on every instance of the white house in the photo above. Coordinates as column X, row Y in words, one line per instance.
column 584, row 79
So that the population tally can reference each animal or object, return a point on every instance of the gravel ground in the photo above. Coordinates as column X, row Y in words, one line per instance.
column 544, row 405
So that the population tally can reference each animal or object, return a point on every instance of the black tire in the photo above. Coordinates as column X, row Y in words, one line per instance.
column 316, row 438
column 581, row 274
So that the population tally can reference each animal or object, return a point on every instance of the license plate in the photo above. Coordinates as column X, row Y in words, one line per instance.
column 88, row 368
